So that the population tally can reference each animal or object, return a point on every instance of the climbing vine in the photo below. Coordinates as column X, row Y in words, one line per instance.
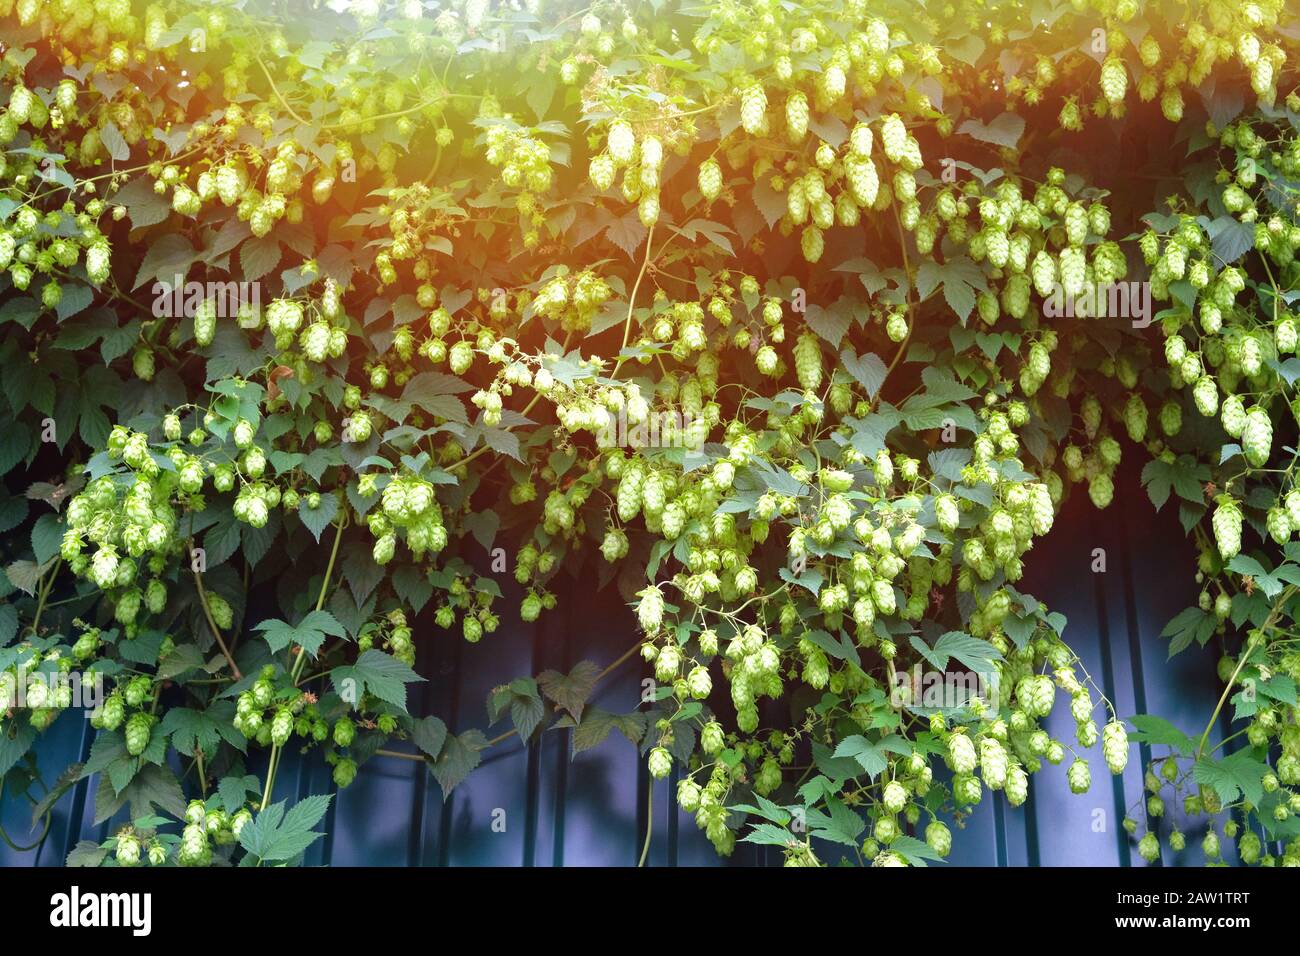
column 794, row 322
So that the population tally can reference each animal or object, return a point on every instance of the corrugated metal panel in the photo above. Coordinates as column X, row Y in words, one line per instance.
column 592, row 810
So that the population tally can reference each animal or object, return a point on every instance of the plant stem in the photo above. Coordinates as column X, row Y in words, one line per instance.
column 43, row 588
column 649, row 821
column 298, row 665
column 1273, row 615
column 599, row 677
column 631, row 300
column 399, row 754
column 216, row 631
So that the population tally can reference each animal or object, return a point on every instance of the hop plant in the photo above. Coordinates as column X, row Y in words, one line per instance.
column 1078, row 776
column 710, row 179
column 1226, row 523
column 650, row 610
column 939, row 838
column 961, row 753
column 796, row 117
column 1114, row 746
column 660, row 763
column 753, row 109
column 1114, row 80
column 621, row 142
column 138, row 730
column 1257, row 436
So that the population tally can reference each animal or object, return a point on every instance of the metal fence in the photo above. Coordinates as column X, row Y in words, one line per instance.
column 592, row 810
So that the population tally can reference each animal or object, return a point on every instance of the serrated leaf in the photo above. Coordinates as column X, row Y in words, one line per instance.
column 221, row 541
column 429, row 734
column 596, row 725
column 1151, row 729
column 114, row 142
column 234, row 791
column 168, row 256
column 1004, row 131
column 47, row 535
column 460, row 754
column 769, row 834
column 412, row 586
column 866, row 753
column 377, row 674
column 309, row 633
column 830, row 323
column 276, row 836
column 570, row 691
column 318, row 519
column 257, row 257
column 206, row 729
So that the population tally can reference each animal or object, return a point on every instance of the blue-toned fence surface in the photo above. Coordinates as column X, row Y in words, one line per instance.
column 592, row 810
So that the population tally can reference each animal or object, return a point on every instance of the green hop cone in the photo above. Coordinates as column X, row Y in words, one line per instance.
column 808, row 362
column 650, row 609
column 345, row 771
column 1149, row 848
column 896, row 327
column 1036, row 694
column 1114, row 746
column 1171, row 418
column 205, row 322
column 699, row 683
column 961, row 753
column 939, row 837
column 222, row 613
column 712, row 738
column 966, row 789
column 812, row 243
column 1278, row 522
column 753, row 109
column 281, row 726
column 1101, row 489
column 1205, row 395
column 194, row 848
column 1078, row 776
column 137, row 689
column 796, row 116
column 1226, row 523
column 710, row 179
column 127, row 851
column 1135, row 417
column 531, row 607
column 1257, row 436
column 1292, row 504
column 1114, row 80
column 114, row 712
column 1233, row 416
column 157, row 853
column 1249, row 848
column 1017, row 787
column 894, row 797
column 1285, row 335
column 138, row 728
column 660, row 763
column 886, row 830
column 993, row 763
